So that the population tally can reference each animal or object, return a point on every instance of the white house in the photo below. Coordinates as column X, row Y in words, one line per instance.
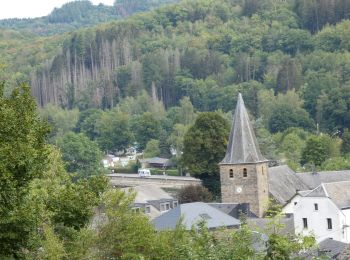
column 323, row 212
column 152, row 200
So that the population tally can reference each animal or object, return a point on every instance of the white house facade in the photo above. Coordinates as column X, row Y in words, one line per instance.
column 323, row 212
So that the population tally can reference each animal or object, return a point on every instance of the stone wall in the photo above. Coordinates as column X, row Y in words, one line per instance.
column 252, row 189
column 170, row 182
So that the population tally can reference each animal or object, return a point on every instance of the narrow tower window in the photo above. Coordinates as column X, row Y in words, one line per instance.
column 245, row 174
column 231, row 173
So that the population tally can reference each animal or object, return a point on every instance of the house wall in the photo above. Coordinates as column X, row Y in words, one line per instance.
column 346, row 223
column 317, row 220
column 289, row 207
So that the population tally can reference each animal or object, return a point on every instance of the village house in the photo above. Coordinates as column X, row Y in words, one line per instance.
column 155, row 162
column 324, row 212
column 152, row 200
column 319, row 202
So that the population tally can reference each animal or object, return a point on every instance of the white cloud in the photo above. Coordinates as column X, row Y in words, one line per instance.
column 34, row 8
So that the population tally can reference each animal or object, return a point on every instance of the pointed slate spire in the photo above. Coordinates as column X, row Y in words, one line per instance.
column 243, row 146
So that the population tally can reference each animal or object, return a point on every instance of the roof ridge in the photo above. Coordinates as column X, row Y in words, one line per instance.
column 334, row 182
column 324, row 189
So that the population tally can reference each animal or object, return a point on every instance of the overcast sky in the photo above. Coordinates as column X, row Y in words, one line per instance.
column 34, row 8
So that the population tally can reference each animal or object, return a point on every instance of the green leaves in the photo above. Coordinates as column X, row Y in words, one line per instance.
column 82, row 156
column 204, row 147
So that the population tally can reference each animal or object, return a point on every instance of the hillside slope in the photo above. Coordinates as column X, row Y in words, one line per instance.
column 80, row 14
column 203, row 49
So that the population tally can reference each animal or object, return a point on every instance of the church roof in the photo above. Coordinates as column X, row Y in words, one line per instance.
column 243, row 146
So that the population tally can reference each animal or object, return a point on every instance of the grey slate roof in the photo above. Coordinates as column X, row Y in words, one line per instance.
column 149, row 192
column 345, row 254
column 338, row 192
column 156, row 160
column 317, row 192
column 315, row 179
column 191, row 214
column 242, row 146
column 331, row 248
column 284, row 183
column 234, row 209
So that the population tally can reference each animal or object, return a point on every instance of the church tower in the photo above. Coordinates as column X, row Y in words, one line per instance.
column 244, row 171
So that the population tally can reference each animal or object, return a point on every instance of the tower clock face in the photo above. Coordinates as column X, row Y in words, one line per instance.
column 239, row 189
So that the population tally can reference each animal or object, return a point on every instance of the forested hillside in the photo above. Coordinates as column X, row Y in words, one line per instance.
column 289, row 59
column 202, row 49
column 27, row 44
column 78, row 14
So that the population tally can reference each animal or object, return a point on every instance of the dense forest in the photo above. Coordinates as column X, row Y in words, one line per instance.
column 78, row 14
column 156, row 71
column 181, row 50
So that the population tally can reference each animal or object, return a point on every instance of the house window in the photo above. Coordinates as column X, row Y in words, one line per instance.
column 305, row 223
column 329, row 223
column 162, row 207
column 136, row 209
column 175, row 203
column 148, row 209
column 316, row 206
column 245, row 174
column 231, row 173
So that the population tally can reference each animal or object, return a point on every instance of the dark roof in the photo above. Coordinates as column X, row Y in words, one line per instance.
column 191, row 214
column 242, row 146
column 331, row 248
column 284, row 183
column 317, row 192
column 156, row 160
column 315, row 179
column 234, row 209
column 338, row 192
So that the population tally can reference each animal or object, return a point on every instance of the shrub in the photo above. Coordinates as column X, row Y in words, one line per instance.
column 194, row 193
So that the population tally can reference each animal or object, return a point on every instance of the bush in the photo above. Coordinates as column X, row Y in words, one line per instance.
column 131, row 168
column 194, row 193
column 170, row 172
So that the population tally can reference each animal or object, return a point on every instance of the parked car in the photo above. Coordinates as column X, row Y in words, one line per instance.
column 144, row 173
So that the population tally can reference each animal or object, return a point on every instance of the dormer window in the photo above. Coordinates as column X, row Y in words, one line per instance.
column 245, row 173
column 231, row 173
column 164, row 206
